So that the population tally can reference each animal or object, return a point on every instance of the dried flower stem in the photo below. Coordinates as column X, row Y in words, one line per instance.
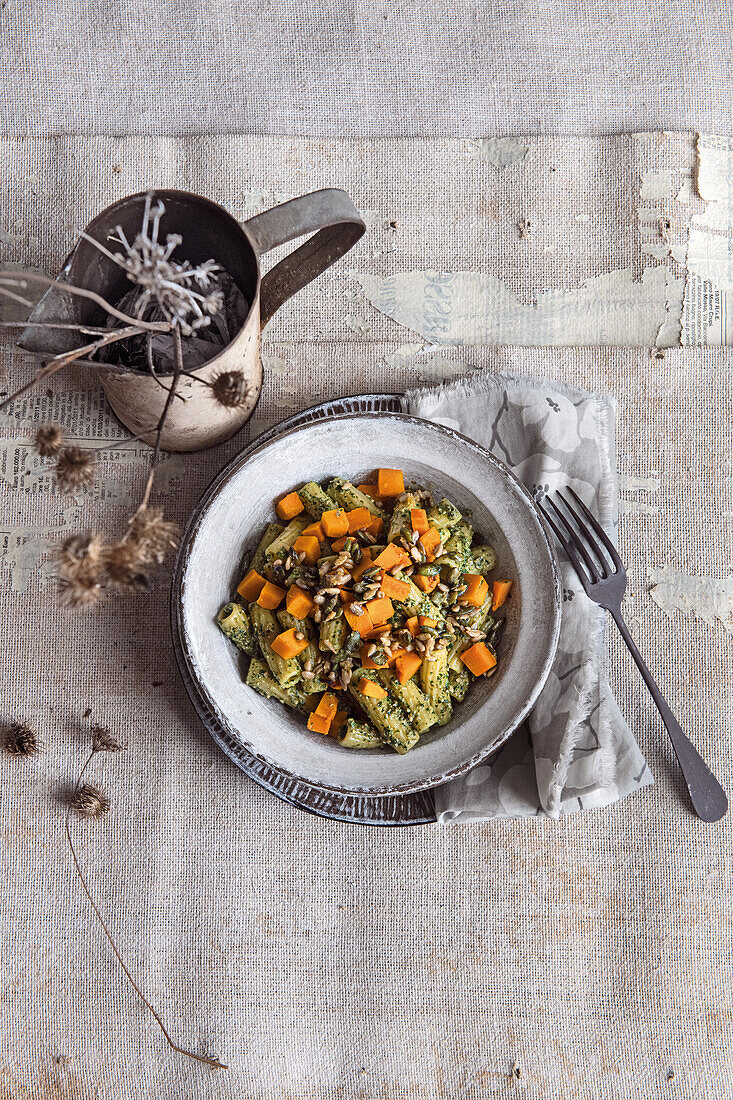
column 108, row 934
column 88, row 330
column 63, row 360
column 178, row 358
column 20, row 278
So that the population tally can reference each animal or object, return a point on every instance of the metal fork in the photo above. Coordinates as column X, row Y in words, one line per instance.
column 601, row 572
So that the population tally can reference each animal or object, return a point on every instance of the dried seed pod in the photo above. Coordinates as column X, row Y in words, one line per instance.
column 230, row 389
column 19, row 740
column 88, row 801
column 103, row 740
column 75, row 469
column 49, row 440
column 154, row 535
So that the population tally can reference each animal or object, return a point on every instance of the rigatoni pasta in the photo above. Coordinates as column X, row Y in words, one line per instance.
column 368, row 610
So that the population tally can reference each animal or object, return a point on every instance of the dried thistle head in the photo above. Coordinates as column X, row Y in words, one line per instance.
column 103, row 740
column 80, row 569
column 19, row 740
column 75, row 468
column 153, row 536
column 123, row 561
column 49, row 440
column 168, row 284
column 230, row 388
column 88, row 801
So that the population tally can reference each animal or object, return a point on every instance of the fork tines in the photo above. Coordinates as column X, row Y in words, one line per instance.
column 582, row 538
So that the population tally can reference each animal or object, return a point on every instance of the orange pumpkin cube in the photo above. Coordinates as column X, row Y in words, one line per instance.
column 476, row 590
column 286, row 645
column 361, row 623
column 308, row 545
column 370, row 490
column 339, row 719
column 375, row 526
column 271, row 596
column 419, row 520
column 318, row 724
column 413, row 626
column 327, row 706
column 335, row 523
column 379, row 610
column 425, row 621
column 391, row 557
column 365, row 563
column 390, row 483
column 426, row 584
column 429, row 541
column 299, row 603
column 499, row 592
column 250, row 588
column 289, row 507
column 478, row 659
column 338, row 544
column 395, row 588
column 396, row 654
column 406, row 666
column 359, row 519
column 371, row 690
column 316, row 530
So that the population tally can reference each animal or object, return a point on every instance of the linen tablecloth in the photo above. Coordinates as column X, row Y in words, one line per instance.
column 585, row 958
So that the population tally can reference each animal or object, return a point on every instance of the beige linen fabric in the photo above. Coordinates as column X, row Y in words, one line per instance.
column 322, row 68
column 323, row 961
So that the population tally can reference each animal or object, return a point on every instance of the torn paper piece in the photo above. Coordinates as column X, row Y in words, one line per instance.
column 359, row 325
column 656, row 185
column 275, row 364
column 629, row 483
column 467, row 307
column 500, row 151
column 708, row 598
column 707, row 315
column 638, row 507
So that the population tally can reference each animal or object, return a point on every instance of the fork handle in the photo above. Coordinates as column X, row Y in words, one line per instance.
column 708, row 797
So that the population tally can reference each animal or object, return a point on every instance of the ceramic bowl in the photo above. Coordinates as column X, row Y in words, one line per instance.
column 352, row 446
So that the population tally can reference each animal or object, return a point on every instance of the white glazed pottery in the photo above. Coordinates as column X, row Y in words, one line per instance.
column 502, row 512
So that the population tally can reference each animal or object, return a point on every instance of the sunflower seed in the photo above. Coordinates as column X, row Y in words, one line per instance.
column 415, row 554
column 371, row 649
column 308, row 675
column 346, row 677
column 299, row 635
column 302, row 584
column 317, row 615
column 288, row 562
column 419, row 647
column 319, row 597
column 450, row 628
column 332, row 591
column 356, row 608
column 409, row 571
column 456, row 607
column 414, row 537
column 308, row 665
column 439, row 549
column 442, row 587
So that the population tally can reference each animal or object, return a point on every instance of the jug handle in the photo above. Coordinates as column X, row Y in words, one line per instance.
column 336, row 224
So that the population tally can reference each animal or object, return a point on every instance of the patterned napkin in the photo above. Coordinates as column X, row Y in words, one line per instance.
column 577, row 751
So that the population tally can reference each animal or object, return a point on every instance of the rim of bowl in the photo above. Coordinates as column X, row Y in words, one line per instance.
column 237, row 463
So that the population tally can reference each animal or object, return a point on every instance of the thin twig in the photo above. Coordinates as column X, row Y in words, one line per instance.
column 81, row 292
column 178, row 358
column 16, row 297
column 151, row 367
column 88, row 330
column 62, row 360
column 108, row 934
